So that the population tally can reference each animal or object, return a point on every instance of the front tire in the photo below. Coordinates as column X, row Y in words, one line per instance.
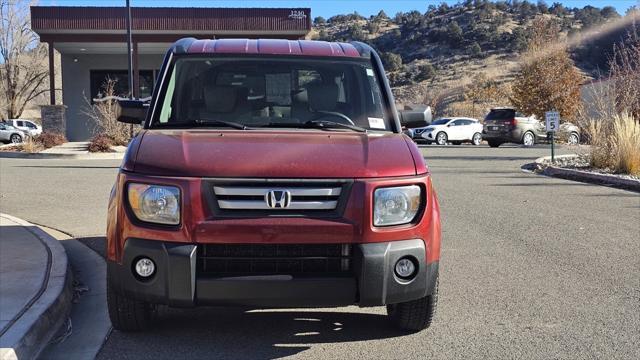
column 128, row 314
column 415, row 315
column 442, row 138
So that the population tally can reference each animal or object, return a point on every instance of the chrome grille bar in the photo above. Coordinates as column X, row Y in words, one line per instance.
column 262, row 205
column 261, row 191
column 279, row 197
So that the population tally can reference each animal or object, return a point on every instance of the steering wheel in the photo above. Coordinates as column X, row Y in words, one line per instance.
column 336, row 114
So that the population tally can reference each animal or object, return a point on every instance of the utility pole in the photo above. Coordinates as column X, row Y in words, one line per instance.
column 130, row 58
column 129, row 49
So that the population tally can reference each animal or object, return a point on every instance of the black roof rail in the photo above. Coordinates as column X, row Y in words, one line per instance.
column 182, row 46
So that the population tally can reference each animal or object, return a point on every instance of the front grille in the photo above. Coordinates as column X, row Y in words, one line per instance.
column 419, row 131
column 221, row 260
column 276, row 197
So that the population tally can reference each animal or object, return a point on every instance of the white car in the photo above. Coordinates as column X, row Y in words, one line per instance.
column 10, row 134
column 29, row 127
column 454, row 130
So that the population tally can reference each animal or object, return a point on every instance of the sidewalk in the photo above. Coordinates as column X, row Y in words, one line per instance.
column 35, row 288
column 69, row 148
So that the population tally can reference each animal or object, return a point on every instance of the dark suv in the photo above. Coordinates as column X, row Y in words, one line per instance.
column 503, row 125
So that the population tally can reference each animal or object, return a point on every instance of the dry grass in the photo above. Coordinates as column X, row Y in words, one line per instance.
column 616, row 144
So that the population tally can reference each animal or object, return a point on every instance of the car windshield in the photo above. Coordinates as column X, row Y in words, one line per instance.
column 245, row 92
column 440, row 122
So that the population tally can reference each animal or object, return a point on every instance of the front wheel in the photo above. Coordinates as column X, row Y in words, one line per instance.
column 441, row 138
column 16, row 139
column 414, row 315
column 476, row 139
column 128, row 314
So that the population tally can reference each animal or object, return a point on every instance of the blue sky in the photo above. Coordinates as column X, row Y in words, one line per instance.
column 325, row 8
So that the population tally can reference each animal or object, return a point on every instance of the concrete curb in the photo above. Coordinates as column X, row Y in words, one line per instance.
column 585, row 176
column 89, row 156
column 32, row 331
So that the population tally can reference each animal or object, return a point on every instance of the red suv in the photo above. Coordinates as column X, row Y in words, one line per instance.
column 271, row 173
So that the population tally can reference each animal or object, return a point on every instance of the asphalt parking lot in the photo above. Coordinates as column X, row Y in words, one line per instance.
column 532, row 267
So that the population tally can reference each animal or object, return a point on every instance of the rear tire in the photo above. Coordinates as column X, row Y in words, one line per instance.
column 414, row 315
column 15, row 139
column 528, row 139
column 128, row 314
column 494, row 144
column 476, row 139
column 574, row 139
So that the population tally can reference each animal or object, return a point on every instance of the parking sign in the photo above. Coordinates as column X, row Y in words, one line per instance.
column 553, row 120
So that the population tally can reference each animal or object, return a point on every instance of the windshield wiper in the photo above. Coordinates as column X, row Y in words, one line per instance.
column 230, row 124
column 326, row 124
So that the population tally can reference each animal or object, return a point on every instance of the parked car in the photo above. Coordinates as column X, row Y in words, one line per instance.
column 27, row 126
column 455, row 130
column 269, row 177
column 10, row 134
column 502, row 125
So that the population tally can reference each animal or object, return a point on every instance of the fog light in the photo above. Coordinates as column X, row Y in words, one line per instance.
column 405, row 268
column 145, row 267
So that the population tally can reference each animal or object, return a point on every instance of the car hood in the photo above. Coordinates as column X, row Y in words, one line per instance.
column 273, row 154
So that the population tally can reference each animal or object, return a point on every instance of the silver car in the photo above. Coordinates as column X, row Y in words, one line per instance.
column 10, row 134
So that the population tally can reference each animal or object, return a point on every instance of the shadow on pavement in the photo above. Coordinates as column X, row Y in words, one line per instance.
column 479, row 157
column 240, row 334
column 552, row 184
column 68, row 167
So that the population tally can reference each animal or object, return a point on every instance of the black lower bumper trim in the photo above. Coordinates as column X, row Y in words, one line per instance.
column 177, row 283
column 308, row 292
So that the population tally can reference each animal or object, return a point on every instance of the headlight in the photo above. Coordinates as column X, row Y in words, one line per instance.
column 155, row 203
column 396, row 205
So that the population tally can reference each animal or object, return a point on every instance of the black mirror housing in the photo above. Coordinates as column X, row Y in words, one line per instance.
column 132, row 111
column 415, row 116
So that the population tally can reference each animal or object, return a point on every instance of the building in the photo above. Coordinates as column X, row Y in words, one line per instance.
column 92, row 46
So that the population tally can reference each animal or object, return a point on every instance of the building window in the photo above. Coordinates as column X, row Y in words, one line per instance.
column 99, row 79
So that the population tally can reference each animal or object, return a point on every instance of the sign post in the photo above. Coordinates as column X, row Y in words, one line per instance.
column 552, row 123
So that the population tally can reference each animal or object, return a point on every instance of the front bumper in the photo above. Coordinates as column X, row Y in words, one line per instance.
column 176, row 281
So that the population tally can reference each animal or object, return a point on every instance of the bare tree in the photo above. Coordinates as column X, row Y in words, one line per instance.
column 23, row 71
column 548, row 78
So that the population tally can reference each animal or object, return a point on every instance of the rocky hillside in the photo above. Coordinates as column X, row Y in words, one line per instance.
column 443, row 49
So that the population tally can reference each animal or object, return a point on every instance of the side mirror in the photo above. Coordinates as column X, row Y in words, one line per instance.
column 414, row 116
column 132, row 111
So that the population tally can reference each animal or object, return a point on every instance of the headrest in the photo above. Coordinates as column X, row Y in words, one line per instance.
column 322, row 97
column 220, row 99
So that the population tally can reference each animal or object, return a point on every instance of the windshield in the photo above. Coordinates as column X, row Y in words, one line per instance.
column 440, row 122
column 271, row 92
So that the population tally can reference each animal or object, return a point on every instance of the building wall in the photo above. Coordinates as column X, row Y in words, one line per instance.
column 76, row 86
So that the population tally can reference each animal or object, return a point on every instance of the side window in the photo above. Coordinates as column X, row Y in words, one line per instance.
column 30, row 125
column 19, row 123
column 458, row 123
